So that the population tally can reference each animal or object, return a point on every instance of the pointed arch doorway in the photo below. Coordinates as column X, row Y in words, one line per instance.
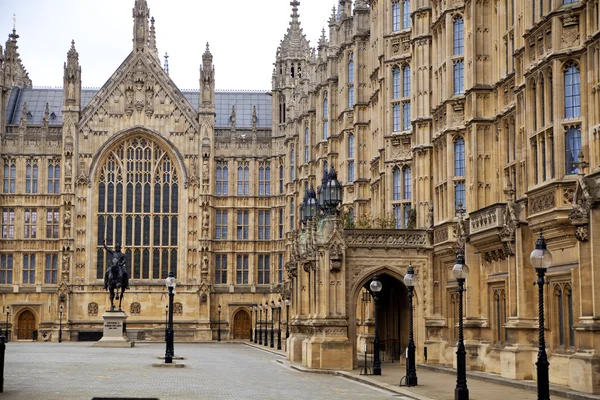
column 241, row 325
column 26, row 325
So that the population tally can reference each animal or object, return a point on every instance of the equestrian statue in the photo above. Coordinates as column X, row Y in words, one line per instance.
column 116, row 276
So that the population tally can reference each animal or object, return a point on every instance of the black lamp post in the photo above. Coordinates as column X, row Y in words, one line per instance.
column 7, row 315
column 60, row 314
column 251, row 312
column 376, row 287
column 279, row 325
column 170, row 282
column 166, row 321
column 219, row 325
column 320, row 189
column 332, row 193
column 266, row 309
column 460, row 272
column 260, row 335
column 272, row 318
column 287, row 319
column 411, row 371
column 541, row 259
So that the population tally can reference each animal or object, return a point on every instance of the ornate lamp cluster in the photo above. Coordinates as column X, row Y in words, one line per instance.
column 326, row 199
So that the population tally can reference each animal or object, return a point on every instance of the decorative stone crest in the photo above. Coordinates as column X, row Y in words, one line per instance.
column 178, row 309
column 135, row 308
column 93, row 309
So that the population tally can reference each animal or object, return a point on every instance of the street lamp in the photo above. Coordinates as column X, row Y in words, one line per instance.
column 541, row 259
column 266, row 309
column 170, row 282
column 272, row 318
column 332, row 193
column 60, row 314
column 287, row 319
column 260, row 335
column 279, row 325
column 376, row 287
column 321, row 189
column 460, row 272
column 251, row 312
column 219, row 325
column 410, row 281
column 310, row 204
column 7, row 315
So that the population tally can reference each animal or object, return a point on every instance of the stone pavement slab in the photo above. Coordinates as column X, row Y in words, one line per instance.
column 69, row 371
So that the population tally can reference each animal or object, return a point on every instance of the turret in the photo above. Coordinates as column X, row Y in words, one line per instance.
column 15, row 74
column 72, row 79
column 141, row 31
column 207, row 80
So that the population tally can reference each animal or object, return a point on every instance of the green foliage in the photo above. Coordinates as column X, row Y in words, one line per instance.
column 385, row 222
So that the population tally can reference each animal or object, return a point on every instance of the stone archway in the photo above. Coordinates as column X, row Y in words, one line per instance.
column 242, row 324
column 26, row 325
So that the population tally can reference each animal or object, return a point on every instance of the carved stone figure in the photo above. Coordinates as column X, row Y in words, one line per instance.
column 116, row 276
column 66, row 263
column 205, row 222
column 430, row 215
column 254, row 118
column 205, row 170
column 232, row 118
column 67, row 218
column 68, row 167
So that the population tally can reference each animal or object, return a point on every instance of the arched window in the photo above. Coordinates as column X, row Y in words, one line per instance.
column 325, row 116
column 31, row 177
column 243, row 180
column 459, row 157
column 572, row 92
column 350, row 146
column 407, row 190
column 264, row 181
column 395, row 16
column 350, row 80
column 53, row 176
column 572, row 149
column 222, row 179
column 406, row 81
column 459, row 36
column 10, row 174
column 396, row 117
column 396, row 184
column 268, row 181
column 138, row 207
column 396, row 83
column 405, row 14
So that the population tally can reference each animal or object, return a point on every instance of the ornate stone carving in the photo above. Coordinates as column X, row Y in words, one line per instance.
column 93, row 309
column 178, row 309
column 440, row 235
column 541, row 202
column 386, row 238
column 135, row 308
column 335, row 257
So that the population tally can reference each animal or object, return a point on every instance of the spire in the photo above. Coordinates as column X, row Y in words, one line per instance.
column 16, row 74
column 207, row 79
column 207, row 57
column 141, row 13
column 152, row 41
column 72, row 54
column 72, row 77
column 295, row 22
column 166, row 63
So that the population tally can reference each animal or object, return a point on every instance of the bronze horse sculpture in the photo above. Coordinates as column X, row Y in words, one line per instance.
column 116, row 276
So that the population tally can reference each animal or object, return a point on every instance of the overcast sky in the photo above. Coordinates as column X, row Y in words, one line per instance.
column 243, row 37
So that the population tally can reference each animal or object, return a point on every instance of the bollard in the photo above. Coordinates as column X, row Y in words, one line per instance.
column 2, row 351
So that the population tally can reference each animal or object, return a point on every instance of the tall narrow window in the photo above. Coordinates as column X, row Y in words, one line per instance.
column 405, row 14
column 534, row 151
column 6, row 269
column 30, row 224
column 406, row 116
column 351, row 171
column 267, row 180
column 396, row 184
column 551, row 97
column 10, row 175
column 8, row 223
column 31, row 177
column 572, row 148
column 406, row 211
column 280, row 270
column 552, row 167
column 350, row 80
column 242, row 270
column 396, row 83
column 292, row 212
column 54, row 177
column 221, row 224
column 222, row 179
column 264, row 270
column 406, row 81
column 397, row 216
column 243, row 180
column 459, row 157
column 459, row 77
column 306, row 146
column 543, row 148
column 351, row 146
column 52, row 220
column 292, row 165
column 543, row 102
column 28, row 269
column 460, row 196
column 325, row 116
column 264, row 225
column 281, row 179
column 572, row 92
column 407, row 180
column 534, row 110
column 220, row 269
column 51, row 270
column 459, row 36
column 264, row 181
column 281, row 223
column 243, row 219
column 396, row 16
column 396, row 116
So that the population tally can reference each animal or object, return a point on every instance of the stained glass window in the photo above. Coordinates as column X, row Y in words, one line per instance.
column 139, row 187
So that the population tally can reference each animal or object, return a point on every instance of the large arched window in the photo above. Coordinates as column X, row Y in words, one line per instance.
column 459, row 36
column 396, row 82
column 325, row 116
column 572, row 92
column 138, row 207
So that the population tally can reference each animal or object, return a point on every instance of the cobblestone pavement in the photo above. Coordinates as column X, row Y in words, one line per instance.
column 65, row 371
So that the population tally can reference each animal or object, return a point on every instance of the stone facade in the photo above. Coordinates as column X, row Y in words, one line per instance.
column 423, row 107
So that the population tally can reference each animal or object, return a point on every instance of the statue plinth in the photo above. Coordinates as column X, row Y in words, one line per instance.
column 113, row 331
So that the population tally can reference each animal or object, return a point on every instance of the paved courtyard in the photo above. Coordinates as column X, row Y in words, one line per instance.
column 52, row 371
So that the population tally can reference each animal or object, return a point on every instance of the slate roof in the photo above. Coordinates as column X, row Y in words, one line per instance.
column 37, row 98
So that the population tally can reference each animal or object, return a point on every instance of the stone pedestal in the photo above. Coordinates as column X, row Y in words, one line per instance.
column 113, row 331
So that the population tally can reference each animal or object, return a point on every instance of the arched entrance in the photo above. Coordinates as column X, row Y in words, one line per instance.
column 241, row 325
column 392, row 318
column 26, row 325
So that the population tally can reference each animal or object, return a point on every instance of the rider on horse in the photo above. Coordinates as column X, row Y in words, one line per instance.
column 116, row 275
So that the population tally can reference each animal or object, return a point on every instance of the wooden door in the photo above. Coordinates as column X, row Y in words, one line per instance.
column 26, row 326
column 241, row 325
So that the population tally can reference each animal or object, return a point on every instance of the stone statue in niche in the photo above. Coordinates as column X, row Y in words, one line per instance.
column 232, row 118
column 205, row 170
column 430, row 215
column 68, row 167
column 71, row 90
column 254, row 118
column 205, row 222
column 66, row 263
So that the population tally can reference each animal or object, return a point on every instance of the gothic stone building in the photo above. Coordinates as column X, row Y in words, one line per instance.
column 423, row 107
